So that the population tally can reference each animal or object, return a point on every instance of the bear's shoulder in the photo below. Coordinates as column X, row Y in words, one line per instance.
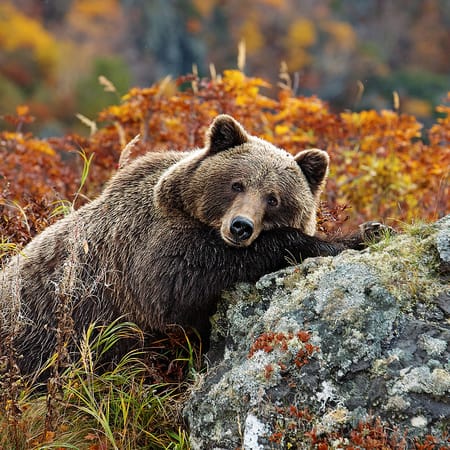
column 152, row 162
column 144, row 169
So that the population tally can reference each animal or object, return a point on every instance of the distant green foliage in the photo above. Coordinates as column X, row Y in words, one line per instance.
column 90, row 94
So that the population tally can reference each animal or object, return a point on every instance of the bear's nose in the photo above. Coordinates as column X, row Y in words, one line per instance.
column 241, row 228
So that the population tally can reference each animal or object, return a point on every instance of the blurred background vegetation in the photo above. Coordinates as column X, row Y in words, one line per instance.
column 353, row 55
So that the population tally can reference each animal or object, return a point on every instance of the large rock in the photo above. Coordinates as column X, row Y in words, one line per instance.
column 334, row 351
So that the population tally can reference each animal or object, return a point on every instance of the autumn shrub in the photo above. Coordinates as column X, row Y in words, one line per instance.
column 380, row 166
column 383, row 164
column 33, row 167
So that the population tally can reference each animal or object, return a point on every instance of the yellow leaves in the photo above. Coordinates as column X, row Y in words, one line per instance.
column 18, row 31
column 296, row 135
column 172, row 123
column 376, row 128
column 389, row 171
column 281, row 129
column 33, row 145
column 351, row 118
column 8, row 136
column 114, row 110
column 246, row 97
column 40, row 146
column 302, row 33
column 387, row 182
column 359, row 119
column 245, row 90
column 131, row 111
column 233, row 77
column 238, row 78
column 379, row 165
column 300, row 105
column 22, row 110
column 251, row 34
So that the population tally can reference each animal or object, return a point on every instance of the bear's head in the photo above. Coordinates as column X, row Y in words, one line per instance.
column 241, row 185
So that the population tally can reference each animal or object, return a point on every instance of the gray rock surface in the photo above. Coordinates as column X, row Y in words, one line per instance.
column 334, row 351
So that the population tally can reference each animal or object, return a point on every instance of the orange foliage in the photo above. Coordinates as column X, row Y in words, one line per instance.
column 373, row 434
column 380, row 165
column 33, row 167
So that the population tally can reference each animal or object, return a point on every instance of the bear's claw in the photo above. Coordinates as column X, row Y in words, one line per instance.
column 373, row 230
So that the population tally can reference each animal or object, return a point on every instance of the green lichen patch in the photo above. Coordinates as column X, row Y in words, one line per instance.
column 409, row 266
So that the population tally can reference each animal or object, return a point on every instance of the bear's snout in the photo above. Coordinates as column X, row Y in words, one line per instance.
column 241, row 228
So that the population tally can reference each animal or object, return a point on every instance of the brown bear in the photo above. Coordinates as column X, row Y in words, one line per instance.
column 168, row 234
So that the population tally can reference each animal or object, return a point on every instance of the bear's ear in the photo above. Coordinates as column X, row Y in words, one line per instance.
column 225, row 133
column 314, row 164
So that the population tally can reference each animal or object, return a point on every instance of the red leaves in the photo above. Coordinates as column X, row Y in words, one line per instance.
column 267, row 342
column 380, row 167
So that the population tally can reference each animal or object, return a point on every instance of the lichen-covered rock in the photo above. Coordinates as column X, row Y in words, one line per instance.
column 443, row 245
column 333, row 351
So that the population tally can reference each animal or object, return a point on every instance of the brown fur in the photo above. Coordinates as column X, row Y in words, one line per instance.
column 156, row 247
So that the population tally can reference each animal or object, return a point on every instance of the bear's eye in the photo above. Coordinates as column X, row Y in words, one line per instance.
column 272, row 200
column 237, row 187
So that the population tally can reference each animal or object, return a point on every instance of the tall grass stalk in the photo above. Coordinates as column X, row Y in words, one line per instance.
column 103, row 405
column 65, row 207
column 127, row 411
